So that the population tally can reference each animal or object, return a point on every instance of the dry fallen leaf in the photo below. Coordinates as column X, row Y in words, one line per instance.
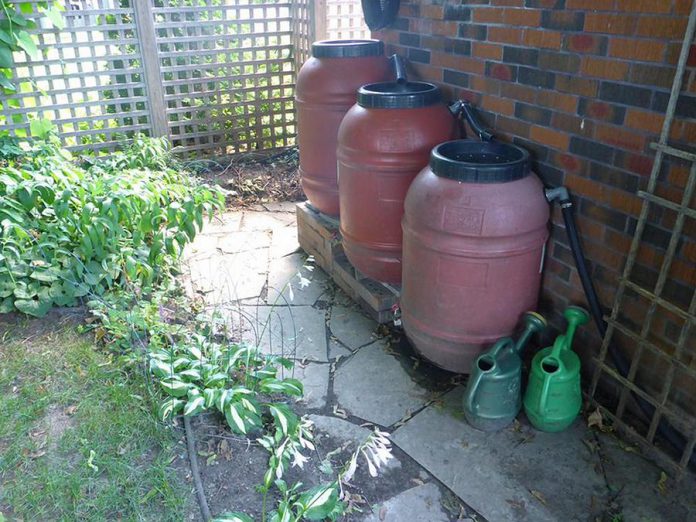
column 595, row 419
column 70, row 410
column 383, row 513
column 538, row 495
column 662, row 483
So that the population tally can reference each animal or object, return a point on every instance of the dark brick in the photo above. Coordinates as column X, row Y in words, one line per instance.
column 563, row 20
column 569, row 63
column 457, row 46
column 536, row 77
column 614, row 177
column 409, row 39
column 472, row 31
column 419, row 55
column 545, row 4
column 678, row 293
column 626, row 94
column 652, row 75
column 500, row 71
column 551, row 176
column 457, row 12
column 591, row 149
column 455, row 78
column 607, row 216
column 644, row 276
column 400, row 24
column 532, row 114
column 520, row 55
column 563, row 253
column 686, row 106
column 538, row 152
column 598, row 110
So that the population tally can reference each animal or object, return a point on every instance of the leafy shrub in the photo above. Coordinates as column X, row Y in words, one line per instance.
column 69, row 231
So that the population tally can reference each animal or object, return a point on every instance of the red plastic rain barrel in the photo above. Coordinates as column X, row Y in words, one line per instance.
column 383, row 142
column 326, row 88
column 475, row 228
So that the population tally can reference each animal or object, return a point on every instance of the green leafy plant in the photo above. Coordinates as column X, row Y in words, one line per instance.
column 69, row 232
column 16, row 24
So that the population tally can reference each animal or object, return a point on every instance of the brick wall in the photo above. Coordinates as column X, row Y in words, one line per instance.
column 583, row 85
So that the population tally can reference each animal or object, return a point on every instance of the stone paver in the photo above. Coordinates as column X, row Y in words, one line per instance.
column 315, row 379
column 419, row 504
column 372, row 385
column 351, row 327
column 284, row 283
column 508, row 475
column 227, row 278
column 297, row 332
column 517, row 474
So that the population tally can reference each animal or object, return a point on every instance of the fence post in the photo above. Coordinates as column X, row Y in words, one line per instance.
column 147, row 39
column 318, row 26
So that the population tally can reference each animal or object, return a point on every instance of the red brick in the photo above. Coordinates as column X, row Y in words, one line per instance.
column 510, row 3
column 606, row 69
column 661, row 27
column 518, row 92
column 627, row 203
column 445, row 28
column 585, row 187
column 644, row 6
column 682, row 7
column 504, row 35
column 542, row 39
column 484, row 84
column 644, row 120
column 512, row 126
column 549, row 137
column 498, row 105
column 501, row 71
column 584, row 43
column 517, row 17
column 575, row 85
column 488, row 51
column 420, row 25
column 594, row 5
column 434, row 12
column 457, row 62
column 611, row 24
column 619, row 137
column 569, row 163
column 557, row 100
column 488, row 15
column 635, row 49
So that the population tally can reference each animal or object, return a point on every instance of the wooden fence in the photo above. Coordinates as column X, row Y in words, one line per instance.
column 216, row 76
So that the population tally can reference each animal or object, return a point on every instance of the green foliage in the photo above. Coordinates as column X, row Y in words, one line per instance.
column 68, row 232
column 16, row 22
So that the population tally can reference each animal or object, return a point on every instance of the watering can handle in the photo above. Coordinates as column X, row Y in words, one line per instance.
column 500, row 345
column 472, row 393
column 556, row 356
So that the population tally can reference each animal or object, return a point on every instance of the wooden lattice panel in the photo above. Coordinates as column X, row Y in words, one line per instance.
column 344, row 20
column 89, row 82
column 302, row 31
column 228, row 74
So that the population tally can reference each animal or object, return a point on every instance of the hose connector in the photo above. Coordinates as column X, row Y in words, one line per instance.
column 559, row 194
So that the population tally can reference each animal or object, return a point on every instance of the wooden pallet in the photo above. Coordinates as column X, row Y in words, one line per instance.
column 319, row 236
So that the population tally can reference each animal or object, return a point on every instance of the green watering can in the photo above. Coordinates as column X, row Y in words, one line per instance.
column 492, row 398
column 553, row 397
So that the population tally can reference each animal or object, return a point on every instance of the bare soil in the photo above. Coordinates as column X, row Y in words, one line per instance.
column 254, row 178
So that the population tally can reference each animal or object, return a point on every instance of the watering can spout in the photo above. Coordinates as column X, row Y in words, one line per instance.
column 533, row 322
column 575, row 316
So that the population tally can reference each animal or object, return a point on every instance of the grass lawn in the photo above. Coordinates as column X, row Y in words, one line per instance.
column 78, row 438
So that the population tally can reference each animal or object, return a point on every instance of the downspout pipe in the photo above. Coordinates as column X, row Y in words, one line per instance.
column 561, row 196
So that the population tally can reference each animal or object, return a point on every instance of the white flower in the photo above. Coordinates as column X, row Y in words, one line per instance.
column 304, row 282
column 299, row 460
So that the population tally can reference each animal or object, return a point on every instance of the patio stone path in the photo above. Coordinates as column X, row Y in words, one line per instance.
column 245, row 266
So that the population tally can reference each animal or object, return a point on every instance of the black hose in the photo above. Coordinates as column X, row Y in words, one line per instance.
column 664, row 428
column 379, row 13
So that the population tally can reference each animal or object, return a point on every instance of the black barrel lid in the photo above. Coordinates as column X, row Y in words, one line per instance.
column 398, row 95
column 347, row 48
column 479, row 161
